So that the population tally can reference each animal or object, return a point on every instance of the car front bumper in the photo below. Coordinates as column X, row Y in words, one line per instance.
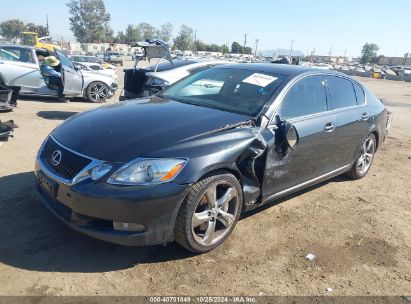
column 91, row 207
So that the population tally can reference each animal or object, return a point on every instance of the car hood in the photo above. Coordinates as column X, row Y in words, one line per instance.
column 126, row 130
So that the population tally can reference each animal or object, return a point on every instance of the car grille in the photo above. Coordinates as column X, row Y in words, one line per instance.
column 70, row 165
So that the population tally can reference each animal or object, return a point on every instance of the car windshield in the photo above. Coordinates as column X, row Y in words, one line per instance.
column 227, row 89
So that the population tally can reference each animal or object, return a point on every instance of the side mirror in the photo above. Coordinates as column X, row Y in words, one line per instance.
column 291, row 135
column 287, row 132
column 77, row 67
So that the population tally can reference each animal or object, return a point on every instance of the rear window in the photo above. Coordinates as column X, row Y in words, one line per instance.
column 341, row 92
column 359, row 93
column 165, row 66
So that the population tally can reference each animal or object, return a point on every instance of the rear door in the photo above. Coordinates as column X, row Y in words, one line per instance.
column 305, row 106
column 347, row 102
column 72, row 79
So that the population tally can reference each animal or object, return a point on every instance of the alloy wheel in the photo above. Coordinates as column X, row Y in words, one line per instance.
column 215, row 213
column 366, row 155
column 98, row 92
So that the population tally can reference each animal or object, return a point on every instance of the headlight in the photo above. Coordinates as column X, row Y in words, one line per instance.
column 148, row 171
column 156, row 82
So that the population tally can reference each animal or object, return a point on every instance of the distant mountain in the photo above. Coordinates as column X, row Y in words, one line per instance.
column 281, row 52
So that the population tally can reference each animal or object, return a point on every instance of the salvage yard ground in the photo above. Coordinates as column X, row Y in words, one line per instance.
column 359, row 230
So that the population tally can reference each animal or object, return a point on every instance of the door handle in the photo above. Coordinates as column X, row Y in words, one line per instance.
column 329, row 127
column 364, row 116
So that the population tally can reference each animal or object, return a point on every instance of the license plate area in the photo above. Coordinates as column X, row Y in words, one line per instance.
column 47, row 184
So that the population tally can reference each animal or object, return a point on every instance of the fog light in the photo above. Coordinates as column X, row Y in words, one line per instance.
column 128, row 227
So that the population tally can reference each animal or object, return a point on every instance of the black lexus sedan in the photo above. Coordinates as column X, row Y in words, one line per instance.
column 183, row 164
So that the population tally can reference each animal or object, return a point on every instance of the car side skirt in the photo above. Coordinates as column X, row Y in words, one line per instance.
column 307, row 183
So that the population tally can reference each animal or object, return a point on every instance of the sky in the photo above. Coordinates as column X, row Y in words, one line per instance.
column 342, row 25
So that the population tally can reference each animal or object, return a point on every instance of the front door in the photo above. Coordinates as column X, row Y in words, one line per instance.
column 72, row 79
column 305, row 106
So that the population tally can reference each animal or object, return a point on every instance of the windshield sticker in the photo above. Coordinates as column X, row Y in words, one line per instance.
column 260, row 80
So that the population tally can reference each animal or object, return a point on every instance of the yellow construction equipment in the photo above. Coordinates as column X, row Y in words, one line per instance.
column 32, row 39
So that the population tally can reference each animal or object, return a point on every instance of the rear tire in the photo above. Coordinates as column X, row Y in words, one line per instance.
column 97, row 92
column 364, row 159
column 209, row 212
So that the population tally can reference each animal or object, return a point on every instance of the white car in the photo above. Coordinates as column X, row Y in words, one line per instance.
column 140, row 82
column 20, row 67
column 97, row 68
column 92, row 59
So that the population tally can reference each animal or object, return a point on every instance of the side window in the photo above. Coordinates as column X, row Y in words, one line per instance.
column 64, row 60
column 17, row 54
column 341, row 92
column 305, row 97
column 359, row 93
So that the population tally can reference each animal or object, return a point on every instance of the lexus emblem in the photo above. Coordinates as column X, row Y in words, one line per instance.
column 56, row 157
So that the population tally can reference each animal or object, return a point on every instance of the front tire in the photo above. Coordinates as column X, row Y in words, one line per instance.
column 364, row 159
column 209, row 212
column 97, row 92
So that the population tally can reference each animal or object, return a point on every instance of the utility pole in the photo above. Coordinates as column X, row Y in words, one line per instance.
column 256, row 44
column 245, row 39
column 312, row 55
column 47, row 24
column 291, row 49
column 195, row 36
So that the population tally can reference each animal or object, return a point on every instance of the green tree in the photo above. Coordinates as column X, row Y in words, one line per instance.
column 148, row 31
column 199, row 45
column 41, row 30
column 120, row 37
column 133, row 34
column 369, row 53
column 184, row 40
column 224, row 49
column 11, row 29
column 166, row 31
column 88, row 19
column 236, row 48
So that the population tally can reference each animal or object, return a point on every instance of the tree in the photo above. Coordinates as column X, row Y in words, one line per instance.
column 41, row 30
column 199, row 46
column 148, row 31
column 369, row 53
column 11, row 29
column 236, row 48
column 224, row 49
column 89, row 19
column 133, row 34
column 184, row 40
column 166, row 31
column 120, row 37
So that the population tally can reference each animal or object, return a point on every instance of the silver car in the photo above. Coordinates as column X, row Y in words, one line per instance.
column 19, row 67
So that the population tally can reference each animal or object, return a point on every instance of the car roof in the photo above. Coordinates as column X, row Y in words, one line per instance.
column 283, row 69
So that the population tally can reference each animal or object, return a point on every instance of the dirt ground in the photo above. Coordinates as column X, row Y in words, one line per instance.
column 359, row 230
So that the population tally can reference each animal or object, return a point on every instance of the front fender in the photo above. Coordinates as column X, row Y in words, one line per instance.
column 241, row 150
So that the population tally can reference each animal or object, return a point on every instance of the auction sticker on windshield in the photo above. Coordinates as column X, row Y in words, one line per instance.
column 260, row 80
